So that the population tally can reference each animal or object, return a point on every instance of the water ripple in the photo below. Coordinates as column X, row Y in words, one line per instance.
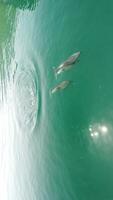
column 26, row 97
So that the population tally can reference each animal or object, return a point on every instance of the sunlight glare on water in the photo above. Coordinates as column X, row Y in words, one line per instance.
column 6, row 152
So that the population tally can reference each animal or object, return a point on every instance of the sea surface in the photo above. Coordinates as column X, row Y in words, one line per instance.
column 56, row 146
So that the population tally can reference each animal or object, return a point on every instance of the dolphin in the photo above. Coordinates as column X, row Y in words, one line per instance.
column 66, row 65
column 60, row 86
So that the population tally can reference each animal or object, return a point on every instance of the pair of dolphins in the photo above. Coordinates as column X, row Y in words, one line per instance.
column 66, row 65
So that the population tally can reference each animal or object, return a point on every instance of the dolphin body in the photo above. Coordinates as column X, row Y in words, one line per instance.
column 66, row 65
column 60, row 86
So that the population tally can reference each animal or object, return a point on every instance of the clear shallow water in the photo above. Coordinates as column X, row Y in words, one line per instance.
column 58, row 146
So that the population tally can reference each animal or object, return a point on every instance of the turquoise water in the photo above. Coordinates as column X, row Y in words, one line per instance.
column 56, row 146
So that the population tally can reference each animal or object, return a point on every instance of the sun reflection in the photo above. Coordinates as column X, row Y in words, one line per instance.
column 98, row 129
column 94, row 134
column 104, row 129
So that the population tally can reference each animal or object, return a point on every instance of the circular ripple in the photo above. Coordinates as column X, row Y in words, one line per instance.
column 26, row 97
